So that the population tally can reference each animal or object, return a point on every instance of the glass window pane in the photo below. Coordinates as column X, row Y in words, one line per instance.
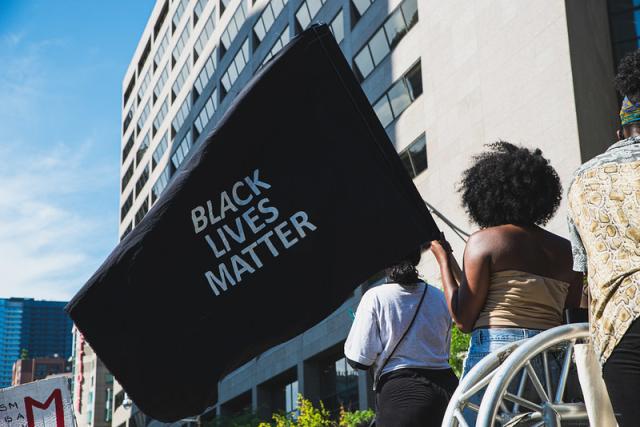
column 410, row 12
column 414, row 81
column 406, row 161
column 395, row 28
column 314, row 7
column 259, row 30
column 379, row 47
column 302, row 15
column 399, row 97
column 364, row 62
column 383, row 111
column 418, row 152
column 337, row 27
column 361, row 6
column 268, row 17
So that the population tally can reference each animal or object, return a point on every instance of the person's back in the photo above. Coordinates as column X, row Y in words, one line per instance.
column 604, row 223
column 402, row 332
column 392, row 307
column 530, row 278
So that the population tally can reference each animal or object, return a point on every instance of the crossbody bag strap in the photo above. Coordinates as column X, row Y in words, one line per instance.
column 415, row 314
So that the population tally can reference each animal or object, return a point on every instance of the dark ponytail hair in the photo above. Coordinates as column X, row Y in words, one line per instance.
column 405, row 272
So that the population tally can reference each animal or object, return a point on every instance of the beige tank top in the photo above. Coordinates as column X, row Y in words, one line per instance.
column 523, row 300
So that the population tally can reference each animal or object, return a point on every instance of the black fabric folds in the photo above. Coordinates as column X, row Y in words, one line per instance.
column 293, row 200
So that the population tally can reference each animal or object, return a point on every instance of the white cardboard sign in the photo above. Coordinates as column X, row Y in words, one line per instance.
column 45, row 403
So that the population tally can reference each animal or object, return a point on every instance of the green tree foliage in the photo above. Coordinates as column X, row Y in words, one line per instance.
column 459, row 348
column 24, row 354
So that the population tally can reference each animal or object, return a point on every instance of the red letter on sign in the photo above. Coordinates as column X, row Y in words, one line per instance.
column 30, row 403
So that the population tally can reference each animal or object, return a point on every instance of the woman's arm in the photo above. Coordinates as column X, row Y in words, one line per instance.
column 466, row 298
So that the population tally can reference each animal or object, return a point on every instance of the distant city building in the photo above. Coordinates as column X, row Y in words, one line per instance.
column 40, row 328
column 92, row 386
column 443, row 77
column 28, row 370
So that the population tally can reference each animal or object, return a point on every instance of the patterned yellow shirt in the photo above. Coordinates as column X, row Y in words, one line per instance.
column 604, row 223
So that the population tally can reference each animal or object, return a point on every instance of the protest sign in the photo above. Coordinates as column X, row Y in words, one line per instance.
column 44, row 403
column 296, row 198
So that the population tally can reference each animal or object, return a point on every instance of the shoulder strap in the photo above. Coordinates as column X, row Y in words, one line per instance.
column 415, row 314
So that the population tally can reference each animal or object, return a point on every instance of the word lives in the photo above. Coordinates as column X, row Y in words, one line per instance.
column 243, row 229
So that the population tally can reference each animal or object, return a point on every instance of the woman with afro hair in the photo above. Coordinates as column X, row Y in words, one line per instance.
column 517, row 276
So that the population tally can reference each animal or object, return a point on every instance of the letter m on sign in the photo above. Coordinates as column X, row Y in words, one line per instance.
column 56, row 399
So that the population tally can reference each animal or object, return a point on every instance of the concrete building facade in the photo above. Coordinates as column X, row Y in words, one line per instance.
column 444, row 77
column 91, row 386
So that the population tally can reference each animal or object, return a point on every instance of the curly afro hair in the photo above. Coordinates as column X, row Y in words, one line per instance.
column 627, row 80
column 510, row 185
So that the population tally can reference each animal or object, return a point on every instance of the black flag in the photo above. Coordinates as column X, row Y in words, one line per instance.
column 296, row 198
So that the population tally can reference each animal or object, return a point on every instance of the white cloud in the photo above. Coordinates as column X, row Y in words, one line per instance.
column 49, row 244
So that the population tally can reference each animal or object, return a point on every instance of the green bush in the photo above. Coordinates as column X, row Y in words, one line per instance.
column 459, row 348
column 309, row 416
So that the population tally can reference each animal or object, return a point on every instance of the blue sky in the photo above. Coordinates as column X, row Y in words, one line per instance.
column 61, row 69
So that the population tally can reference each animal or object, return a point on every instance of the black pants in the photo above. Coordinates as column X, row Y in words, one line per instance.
column 414, row 397
column 622, row 375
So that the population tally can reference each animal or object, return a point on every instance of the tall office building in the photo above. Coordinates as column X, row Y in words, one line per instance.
column 41, row 328
column 444, row 78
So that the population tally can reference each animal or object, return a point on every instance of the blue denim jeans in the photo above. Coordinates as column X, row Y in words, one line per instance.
column 485, row 341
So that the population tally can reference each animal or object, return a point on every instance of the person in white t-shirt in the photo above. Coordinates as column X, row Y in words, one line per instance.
column 409, row 358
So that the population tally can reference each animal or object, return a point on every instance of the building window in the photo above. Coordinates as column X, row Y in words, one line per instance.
column 127, row 148
column 128, row 118
column 142, row 211
column 205, row 75
column 144, row 56
column 307, row 11
column 161, row 184
column 266, row 20
column 204, row 36
column 162, row 113
column 279, row 44
column 161, row 50
column 624, row 17
column 291, row 397
column 127, row 92
column 142, row 180
column 124, row 234
column 386, row 38
column 414, row 157
column 178, row 14
column 230, row 33
column 181, row 152
column 180, row 117
column 159, row 151
column 182, row 77
column 161, row 17
column 144, row 115
column 339, row 386
column 144, row 84
column 144, row 145
column 198, row 9
column 223, row 5
column 401, row 94
column 337, row 26
column 235, row 68
column 162, row 80
column 359, row 7
column 126, row 206
column 205, row 115
column 180, row 44
column 127, row 175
